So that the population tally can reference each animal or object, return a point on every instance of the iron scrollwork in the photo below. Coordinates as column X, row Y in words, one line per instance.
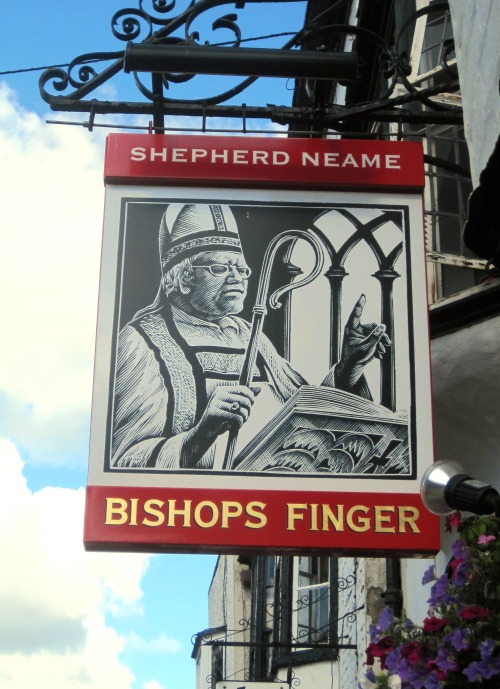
column 142, row 25
column 161, row 22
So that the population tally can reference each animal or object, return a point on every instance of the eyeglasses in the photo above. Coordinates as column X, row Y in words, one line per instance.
column 222, row 269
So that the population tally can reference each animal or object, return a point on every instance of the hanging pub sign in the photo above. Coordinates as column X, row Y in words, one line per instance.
column 262, row 372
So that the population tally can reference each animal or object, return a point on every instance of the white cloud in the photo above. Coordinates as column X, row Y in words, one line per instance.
column 53, row 595
column 152, row 684
column 52, row 202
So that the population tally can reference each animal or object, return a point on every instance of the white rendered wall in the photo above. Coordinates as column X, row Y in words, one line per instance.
column 476, row 28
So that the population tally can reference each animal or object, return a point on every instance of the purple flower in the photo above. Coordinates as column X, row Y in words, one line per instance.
column 433, row 681
column 446, row 660
column 459, row 550
column 429, row 575
column 394, row 661
column 370, row 675
column 374, row 632
column 460, row 574
column 486, row 648
column 488, row 666
column 408, row 624
column 458, row 639
column 440, row 593
column 386, row 618
column 472, row 671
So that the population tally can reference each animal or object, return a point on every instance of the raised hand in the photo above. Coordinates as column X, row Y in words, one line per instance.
column 362, row 343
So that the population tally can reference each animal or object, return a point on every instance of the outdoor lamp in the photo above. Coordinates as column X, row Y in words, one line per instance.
column 446, row 487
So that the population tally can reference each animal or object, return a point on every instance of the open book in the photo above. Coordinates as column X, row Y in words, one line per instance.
column 328, row 431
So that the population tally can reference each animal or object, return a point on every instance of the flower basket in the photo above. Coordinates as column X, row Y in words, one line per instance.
column 458, row 644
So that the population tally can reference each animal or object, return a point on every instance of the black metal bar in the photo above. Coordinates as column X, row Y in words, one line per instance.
column 281, row 114
column 278, row 644
column 158, row 107
column 158, row 57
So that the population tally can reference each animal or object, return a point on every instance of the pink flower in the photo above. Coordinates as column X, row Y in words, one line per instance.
column 412, row 651
column 434, row 624
column 379, row 650
column 486, row 539
column 474, row 612
column 452, row 521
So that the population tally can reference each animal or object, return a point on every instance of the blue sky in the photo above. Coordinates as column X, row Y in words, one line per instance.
column 71, row 618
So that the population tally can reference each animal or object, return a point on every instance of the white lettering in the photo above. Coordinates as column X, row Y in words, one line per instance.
column 179, row 155
column 162, row 153
column 306, row 158
column 222, row 156
column 331, row 159
column 239, row 157
column 198, row 153
column 349, row 160
column 366, row 162
column 138, row 153
column 392, row 161
column 280, row 158
column 260, row 157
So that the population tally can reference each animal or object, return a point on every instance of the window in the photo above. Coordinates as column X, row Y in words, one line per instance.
column 452, row 267
column 294, row 604
column 446, row 196
column 313, row 600
column 438, row 31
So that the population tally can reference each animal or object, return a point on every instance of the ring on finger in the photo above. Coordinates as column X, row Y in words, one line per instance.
column 235, row 406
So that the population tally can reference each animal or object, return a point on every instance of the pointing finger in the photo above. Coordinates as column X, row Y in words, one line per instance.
column 353, row 320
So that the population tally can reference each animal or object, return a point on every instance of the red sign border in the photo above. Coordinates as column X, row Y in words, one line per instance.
column 272, row 162
column 215, row 520
column 282, row 163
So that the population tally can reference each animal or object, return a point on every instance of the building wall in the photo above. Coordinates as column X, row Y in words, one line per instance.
column 476, row 27
column 228, row 606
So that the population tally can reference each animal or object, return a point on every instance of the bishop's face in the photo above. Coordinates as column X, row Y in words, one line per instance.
column 218, row 285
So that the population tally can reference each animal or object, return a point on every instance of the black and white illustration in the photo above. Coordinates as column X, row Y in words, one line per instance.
column 257, row 336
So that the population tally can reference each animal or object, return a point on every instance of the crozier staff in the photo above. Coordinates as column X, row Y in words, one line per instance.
column 179, row 359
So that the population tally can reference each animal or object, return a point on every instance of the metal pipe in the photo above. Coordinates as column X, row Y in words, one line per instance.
column 313, row 64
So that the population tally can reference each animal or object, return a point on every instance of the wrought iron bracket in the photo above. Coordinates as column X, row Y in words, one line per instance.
column 74, row 89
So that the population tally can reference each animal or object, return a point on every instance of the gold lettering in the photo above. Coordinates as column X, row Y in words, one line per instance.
column 362, row 523
column 197, row 514
column 118, row 507
column 184, row 512
column 382, row 518
column 329, row 517
column 133, row 511
column 252, row 510
column 292, row 516
column 314, row 517
column 230, row 510
column 150, row 508
column 410, row 518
